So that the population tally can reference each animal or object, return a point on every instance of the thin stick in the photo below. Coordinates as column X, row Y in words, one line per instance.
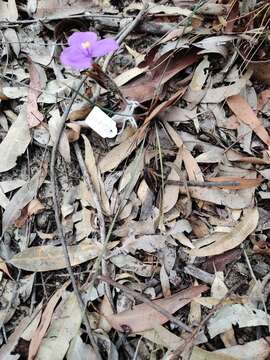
column 59, row 224
column 203, row 183
column 145, row 300
column 55, row 200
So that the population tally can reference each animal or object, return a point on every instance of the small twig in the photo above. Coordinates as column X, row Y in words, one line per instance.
column 145, row 300
column 203, row 183
column 59, row 224
column 199, row 274
column 55, row 200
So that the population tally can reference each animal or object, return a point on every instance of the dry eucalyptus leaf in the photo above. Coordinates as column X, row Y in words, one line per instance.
column 53, row 9
column 64, row 326
column 226, row 241
column 57, row 90
column 253, row 350
column 148, row 243
column 244, row 112
column 143, row 317
column 15, row 143
column 80, row 350
column 130, row 263
column 94, row 172
column 22, row 197
column 242, row 315
column 12, row 38
column 163, row 337
column 54, row 124
column 171, row 192
column 119, row 153
column 48, row 258
column 34, row 116
column 8, row 10
column 233, row 199
column 10, row 185
column 45, row 321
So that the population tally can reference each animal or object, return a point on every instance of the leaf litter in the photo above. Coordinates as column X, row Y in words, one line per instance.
column 176, row 201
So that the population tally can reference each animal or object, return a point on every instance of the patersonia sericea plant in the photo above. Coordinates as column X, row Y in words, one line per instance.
column 83, row 47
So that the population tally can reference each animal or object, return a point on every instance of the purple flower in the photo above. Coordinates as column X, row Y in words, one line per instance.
column 83, row 47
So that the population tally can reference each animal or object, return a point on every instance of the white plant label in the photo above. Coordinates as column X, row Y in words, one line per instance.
column 101, row 123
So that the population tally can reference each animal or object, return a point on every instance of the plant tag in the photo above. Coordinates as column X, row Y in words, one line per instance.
column 101, row 123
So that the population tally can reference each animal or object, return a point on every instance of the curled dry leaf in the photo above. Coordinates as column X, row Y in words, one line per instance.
column 142, row 317
column 48, row 258
column 226, row 241
column 16, row 141
column 262, row 247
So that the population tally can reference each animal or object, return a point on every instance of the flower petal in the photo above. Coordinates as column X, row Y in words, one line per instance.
column 103, row 47
column 75, row 59
column 77, row 38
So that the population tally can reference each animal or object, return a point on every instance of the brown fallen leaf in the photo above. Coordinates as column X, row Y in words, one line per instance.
column 142, row 89
column 16, row 141
column 261, row 247
column 143, row 317
column 73, row 133
column 34, row 116
column 4, row 268
column 263, row 98
column 244, row 113
column 221, row 242
column 243, row 183
column 34, row 207
column 48, row 258
column 219, row 262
